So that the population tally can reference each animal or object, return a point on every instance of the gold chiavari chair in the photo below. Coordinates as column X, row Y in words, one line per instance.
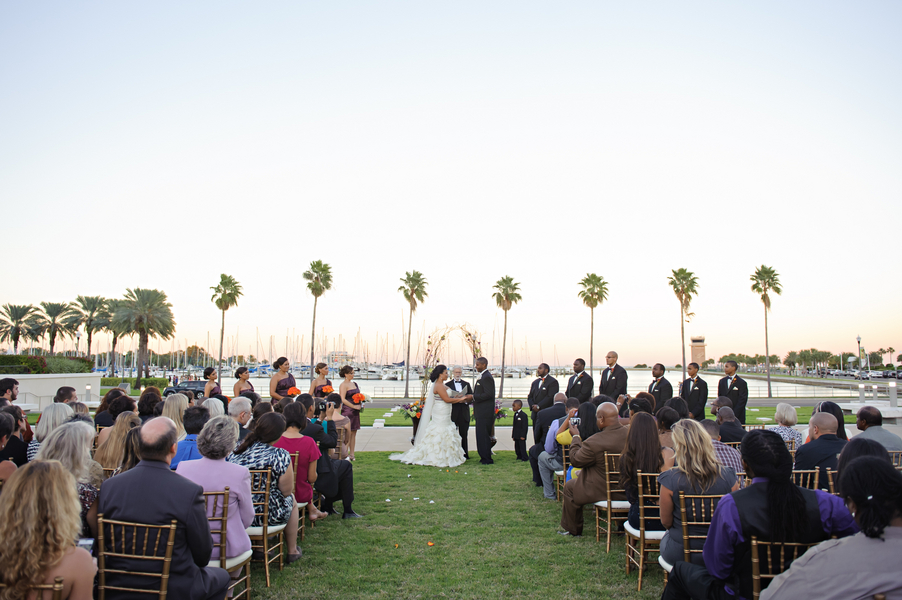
column 775, row 558
column 218, row 516
column 560, row 477
column 806, row 478
column 643, row 541
column 614, row 510
column 56, row 587
column 260, row 536
column 134, row 541
column 302, row 506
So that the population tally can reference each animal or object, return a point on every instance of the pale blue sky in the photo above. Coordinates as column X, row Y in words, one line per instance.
column 161, row 144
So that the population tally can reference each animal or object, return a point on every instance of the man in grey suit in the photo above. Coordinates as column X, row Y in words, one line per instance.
column 870, row 423
column 151, row 493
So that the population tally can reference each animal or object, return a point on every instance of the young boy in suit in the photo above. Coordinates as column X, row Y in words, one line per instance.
column 521, row 426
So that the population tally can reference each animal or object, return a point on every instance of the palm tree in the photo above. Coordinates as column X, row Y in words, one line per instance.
column 116, row 329
column 147, row 313
column 225, row 296
column 890, row 351
column 414, row 290
column 14, row 323
column 319, row 279
column 764, row 281
column 507, row 294
column 594, row 292
column 792, row 359
column 90, row 312
column 685, row 286
column 55, row 320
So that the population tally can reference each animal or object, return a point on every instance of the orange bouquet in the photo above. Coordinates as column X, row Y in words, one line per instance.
column 294, row 391
column 328, row 389
column 358, row 398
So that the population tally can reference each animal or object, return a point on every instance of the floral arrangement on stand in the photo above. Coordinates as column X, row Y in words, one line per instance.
column 412, row 410
column 499, row 411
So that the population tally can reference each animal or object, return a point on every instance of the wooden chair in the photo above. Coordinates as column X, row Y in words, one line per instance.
column 340, row 436
column 560, row 477
column 219, row 524
column 896, row 457
column 615, row 510
column 260, row 485
column 791, row 445
column 643, row 541
column 97, row 430
column 107, row 473
column 753, row 427
column 806, row 479
column 776, row 559
column 736, row 445
column 700, row 511
column 302, row 506
column 134, row 541
column 831, row 481
column 56, row 587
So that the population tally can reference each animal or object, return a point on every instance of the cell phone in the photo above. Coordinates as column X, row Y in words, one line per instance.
column 86, row 543
column 575, row 421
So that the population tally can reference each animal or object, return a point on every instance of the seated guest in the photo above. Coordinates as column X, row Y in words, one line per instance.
column 71, row 445
column 240, row 410
column 174, row 408
column 679, row 405
column 588, row 424
column 102, row 416
column 640, row 404
column 131, row 456
column 158, row 409
column 16, row 449
column 551, row 459
column 870, row 423
column 341, row 422
column 642, row 453
column 150, row 397
column 109, row 453
column 7, row 426
column 544, row 420
column 256, row 452
column 730, row 428
column 211, row 471
column 43, row 548
column 667, row 417
column 823, row 449
column 189, row 396
column 65, row 395
column 214, row 406
column 588, row 455
column 725, row 455
column 862, row 565
column 195, row 419
column 52, row 417
column 260, row 409
column 834, row 409
column 80, row 408
column 696, row 472
column 308, row 453
column 721, row 402
column 857, row 447
column 334, row 478
column 122, row 404
column 151, row 493
column 786, row 417
column 772, row 509
column 252, row 396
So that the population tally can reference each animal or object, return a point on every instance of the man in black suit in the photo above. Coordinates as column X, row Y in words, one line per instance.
column 695, row 392
column 580, row 384
column 334, row 478
column 823, row 450
column 546, row 417
column 460, row 411
column 153, row 494
column 541, row 394
column 613, row 378
column 730, row 429
column 660, row 388
column 484, row 407
column 735, row 388
column 518, row 433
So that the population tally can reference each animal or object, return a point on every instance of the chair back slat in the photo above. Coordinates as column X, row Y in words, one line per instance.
column 56, row 587
column 649, row 491
column 806, row 478
column 107, row 473
column 612, row 462
column 217, row 504
column 831, row 481
column 696, row 510
column 896, row 457
column 752, row 427
column 565, row 453
column 791, row 444
column 260, row 488
column 111, row 545
column 736, row 445
column 777, row 557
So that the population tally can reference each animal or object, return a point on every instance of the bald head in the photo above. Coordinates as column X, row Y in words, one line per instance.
column 606, row 414
column 560, row 397
column 157, row 439
column 724, row 414
column 822, row 423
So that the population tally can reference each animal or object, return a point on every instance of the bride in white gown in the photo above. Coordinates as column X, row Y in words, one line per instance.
column 438, row 441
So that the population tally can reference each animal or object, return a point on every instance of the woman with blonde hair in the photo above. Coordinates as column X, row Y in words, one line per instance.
column 71, row 445
column 214, row 406
column 79, row 408
column 174, row 407
column 41, row 495
column 53, row 416
column 696, row 472
column 786, row 416
column 109, row 454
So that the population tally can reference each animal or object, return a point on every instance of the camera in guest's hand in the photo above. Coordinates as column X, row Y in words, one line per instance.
column 322, row 406
column 574, row 421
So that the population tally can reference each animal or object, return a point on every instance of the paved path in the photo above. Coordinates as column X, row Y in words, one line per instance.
column 397, row 439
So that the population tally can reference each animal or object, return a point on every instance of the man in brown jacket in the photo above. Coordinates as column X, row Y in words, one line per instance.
column 588, row 455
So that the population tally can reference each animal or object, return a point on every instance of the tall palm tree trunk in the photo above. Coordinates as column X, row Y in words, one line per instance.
column 111, row 368
column 89, row 343
column 142, row 350
column 503, row 354
column 683, row 339
column 592, row 343
column 407, row 360
column 312, row 338
column 767, row 354
column 219, row 365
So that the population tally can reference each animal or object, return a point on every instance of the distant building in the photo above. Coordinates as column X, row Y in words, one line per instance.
column 337, row 359
column 698, row 349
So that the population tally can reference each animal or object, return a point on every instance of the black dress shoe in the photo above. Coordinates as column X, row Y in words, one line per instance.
column 331, row 511
column 466, row 456
column 487, row 462
column 351, row 515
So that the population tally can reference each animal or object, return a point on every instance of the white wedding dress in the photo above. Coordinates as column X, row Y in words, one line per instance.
column 438, row 441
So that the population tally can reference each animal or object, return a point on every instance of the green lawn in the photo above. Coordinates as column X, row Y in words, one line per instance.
column 494, row 536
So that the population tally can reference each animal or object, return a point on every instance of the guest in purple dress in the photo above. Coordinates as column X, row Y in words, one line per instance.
column 349, row 408
column 242, row 385
column 282, row 381
column 211, row 388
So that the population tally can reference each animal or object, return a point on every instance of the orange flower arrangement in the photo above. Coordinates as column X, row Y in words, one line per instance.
column 328, row 389
column 358, row 398
column 294, row 391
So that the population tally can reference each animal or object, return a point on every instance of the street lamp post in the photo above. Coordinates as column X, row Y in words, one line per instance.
column 77, row 340
column 859, row 356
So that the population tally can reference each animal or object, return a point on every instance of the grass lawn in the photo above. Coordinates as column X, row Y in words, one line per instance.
column 494, row 537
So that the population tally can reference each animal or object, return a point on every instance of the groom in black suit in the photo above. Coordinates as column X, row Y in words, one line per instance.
column 484, row 408
column 460, row 411
column 541, row 395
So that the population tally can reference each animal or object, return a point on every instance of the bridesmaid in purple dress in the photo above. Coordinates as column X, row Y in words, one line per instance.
column 349, row 408
column 212, row 388
column 282, row 381
column 317, row 385
column 242, row 385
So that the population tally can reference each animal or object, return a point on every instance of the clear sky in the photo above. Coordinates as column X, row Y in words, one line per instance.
column 161, row 144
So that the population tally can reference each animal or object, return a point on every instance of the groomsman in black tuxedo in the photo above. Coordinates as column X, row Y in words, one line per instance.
column 580, row 384
column 460, row 411
column 695, row 392
column 735, row 388
column 613, row 378
column 484, row 408
column 541, row 394
column 660, row 388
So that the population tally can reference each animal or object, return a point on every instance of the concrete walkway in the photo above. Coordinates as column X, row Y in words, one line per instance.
column 397, row 439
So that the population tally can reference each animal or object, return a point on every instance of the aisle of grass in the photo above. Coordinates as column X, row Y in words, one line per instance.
column 493, row 534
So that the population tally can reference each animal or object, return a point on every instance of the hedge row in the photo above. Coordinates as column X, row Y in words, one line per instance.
column 66, row 364
column 160, row 382
column 22, row 365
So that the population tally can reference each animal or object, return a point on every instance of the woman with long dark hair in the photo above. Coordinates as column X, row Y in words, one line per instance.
column 642, row 453
column 243, row 384
column 211, row 388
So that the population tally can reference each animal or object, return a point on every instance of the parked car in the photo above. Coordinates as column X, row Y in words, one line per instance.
column 193, row 386
column 872, row 374
column 889, row 374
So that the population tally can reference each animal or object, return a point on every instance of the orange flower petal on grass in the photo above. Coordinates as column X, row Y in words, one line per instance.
column 430, row 544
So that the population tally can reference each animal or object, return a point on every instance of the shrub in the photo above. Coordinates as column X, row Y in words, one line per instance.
column 22, row 365
column 677, row 366
column 160, row 382
column 641, row 366
column 62, row 364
